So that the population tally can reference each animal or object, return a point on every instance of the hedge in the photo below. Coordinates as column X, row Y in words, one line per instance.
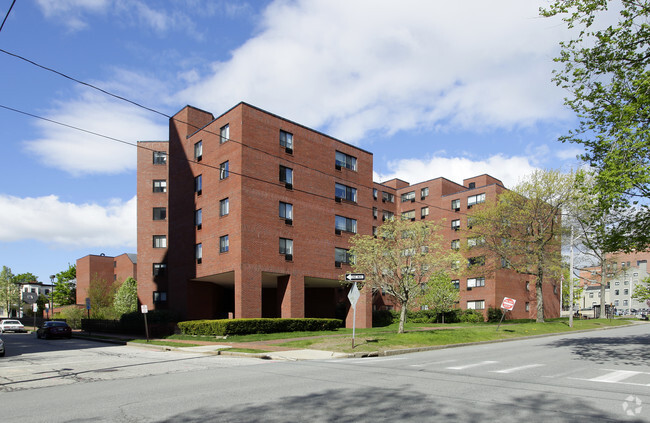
column 224, row 327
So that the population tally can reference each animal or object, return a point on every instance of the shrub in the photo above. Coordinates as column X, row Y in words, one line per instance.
column 471, row 316
column 248, row 326
column 72, row 315
column 494, row 314
column 382, row 318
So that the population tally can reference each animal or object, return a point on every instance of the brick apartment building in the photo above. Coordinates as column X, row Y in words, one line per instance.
column 249, row 215
column 105, row 269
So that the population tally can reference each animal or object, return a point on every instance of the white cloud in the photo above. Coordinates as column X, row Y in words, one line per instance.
column 80, row 153
column 354, row 68
column 52, row 221
column 509, row 170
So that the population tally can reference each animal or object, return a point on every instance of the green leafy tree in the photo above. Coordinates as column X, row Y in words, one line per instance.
column 440, row 294
column 126, row 297
column 9, row 290
column 65, row 287
column 606, row 70
column 102, row 295
column 523, row 228
column 25, row 278
column 401, row 260
column 642, row 290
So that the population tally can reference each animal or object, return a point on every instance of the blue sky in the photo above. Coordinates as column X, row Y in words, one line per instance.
column 432, row 88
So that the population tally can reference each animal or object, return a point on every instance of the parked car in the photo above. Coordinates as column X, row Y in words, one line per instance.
column 54, row 329
column 2, row 348
column 8, row 325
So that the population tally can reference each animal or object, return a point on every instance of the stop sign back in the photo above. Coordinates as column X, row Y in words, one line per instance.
column 508, row 303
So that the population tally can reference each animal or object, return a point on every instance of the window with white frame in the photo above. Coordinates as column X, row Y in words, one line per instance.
column 224, row 134
column 374, row 193
column 475, row 282
column 475, row 241
column 159, row 185
column 455, row 205
column 408, row 215
column 408, row 196
column 286, row 210
column 345, row 192
column 386, row 215
column 424, row 193
column 424, row 212
column 224, row 244
column 345, row 160
column 224, row 207
column 475, row 199
column 476, row 305
column 198, row 151
column 159, row 157
column 387, row 197
column 224, row 170
column 345, row 224
column 160, row 241
column 455, row 224
column 286, row 139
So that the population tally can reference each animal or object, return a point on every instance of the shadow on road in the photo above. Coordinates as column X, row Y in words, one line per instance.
column 17, row 344
column 629, row 350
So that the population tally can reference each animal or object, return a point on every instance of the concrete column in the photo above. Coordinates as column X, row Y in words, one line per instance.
column 248, row 293
column 291, row 296
column 364, row 309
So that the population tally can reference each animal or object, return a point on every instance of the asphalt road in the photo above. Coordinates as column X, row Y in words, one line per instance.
column 596, row 376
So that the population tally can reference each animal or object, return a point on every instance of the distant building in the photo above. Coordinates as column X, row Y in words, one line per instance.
column 104, row 269
column 249, row 214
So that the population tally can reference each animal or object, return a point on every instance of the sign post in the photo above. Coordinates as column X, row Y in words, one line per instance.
column 506, row 305
column 88, row 310
column 353, row 296
column 145, row 310
column 35, row 309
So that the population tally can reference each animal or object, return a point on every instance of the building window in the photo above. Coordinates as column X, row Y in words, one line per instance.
column 286, row 140
column 198, row 185
column 374, row 231
column 160, row 241
column 286, row 176
column 455, row 244
column 198, row 151
column 374, row 213
column 476, row 305
column 345, row 192
column 159, row 185
column 424, row 193
column 198, row 253
column 286, row 210
column 455, row 224
column 474, row 282
column 527, row 286
column 224, row 170
column 286, row 246
column 408, row 215
column 224, row 244
column 224, row 134
column 625, row 303
column 616, row 303
column 159, row 269
column 159, row 157
column 616, row 292
column 475, row 199
column 527, row 307
column 626, row 283
column 408, row 196
column 224, row 207
column 470, row 222
column 475, row 241
column 424, row 212
column 198, row 219
column 617, row 283
column 341, row 255
column 387, row 197
column 476, row 261
column 159, row 213
column 455, row 205
column 345, row 160
column 626, row 292
column 386, row 215
column 591, row 295
column 375, row 193
column 456, row 283
column 159, row 296
column 345, row 224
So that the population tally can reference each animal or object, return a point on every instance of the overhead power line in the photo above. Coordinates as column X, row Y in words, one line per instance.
column 7, row 15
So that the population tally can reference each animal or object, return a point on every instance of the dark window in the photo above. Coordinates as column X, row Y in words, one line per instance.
column 159, row 296
column 198, row 218
column 224, row 134
column 345, row 160
column 159, row 213
column 345, row 192
column 286, row 140
column 286, row 210
column 159, row 269
column 345, row 224
column 159, row 157
column 286, row 246
column 198, row 151
column 198, row 185
column 224, row 207
column 286, row 176
column 224, row 244
column 160, row 185
column 224, row 170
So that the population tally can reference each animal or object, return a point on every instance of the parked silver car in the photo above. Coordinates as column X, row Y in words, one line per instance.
column 11, row 326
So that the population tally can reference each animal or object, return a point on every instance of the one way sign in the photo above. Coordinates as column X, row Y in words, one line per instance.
column 355, row 277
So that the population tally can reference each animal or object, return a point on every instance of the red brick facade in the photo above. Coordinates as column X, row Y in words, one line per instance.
column 255, row 260
column 104, row 269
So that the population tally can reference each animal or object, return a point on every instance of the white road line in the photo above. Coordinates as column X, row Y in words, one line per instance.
column 467, row 366
column 516, row 369
column 615, row 376
column 431, row 363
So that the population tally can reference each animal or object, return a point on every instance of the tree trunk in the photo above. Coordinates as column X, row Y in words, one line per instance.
column 603, row 285
column 540, row 296
column 402, row 318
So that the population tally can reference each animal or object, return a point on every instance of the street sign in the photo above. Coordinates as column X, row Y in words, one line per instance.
column 355, row 277
column 354, row 295
column 508, row 303
column 30, row 297
column 35, row 307
column 143, row 309
column 87, row 303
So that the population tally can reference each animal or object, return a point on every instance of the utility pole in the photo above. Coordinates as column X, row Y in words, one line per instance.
column 571, row 282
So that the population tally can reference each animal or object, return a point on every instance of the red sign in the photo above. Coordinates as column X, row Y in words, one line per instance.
column 508, row 303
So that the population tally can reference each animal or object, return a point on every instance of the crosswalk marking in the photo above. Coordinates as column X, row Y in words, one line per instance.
column 516, row 369
column 432, row 363
column 615, row 376
column 468, row 366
